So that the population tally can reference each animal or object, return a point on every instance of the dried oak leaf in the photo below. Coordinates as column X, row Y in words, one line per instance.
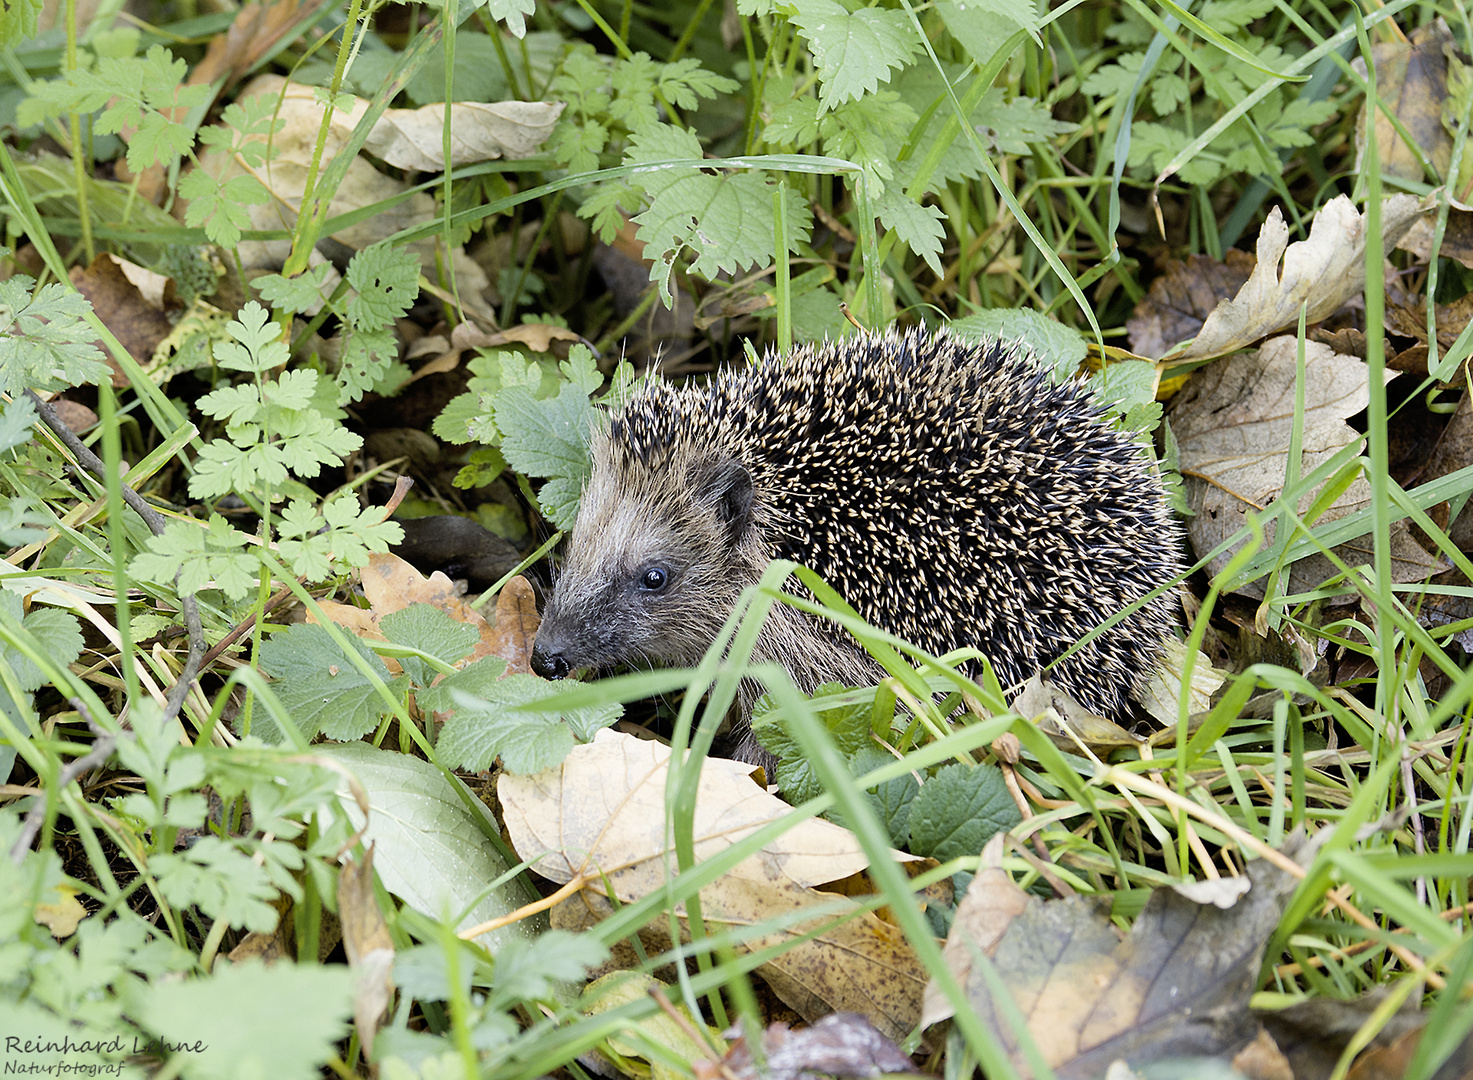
column 601, row 814
column 1233, row 423
column 1322, row 272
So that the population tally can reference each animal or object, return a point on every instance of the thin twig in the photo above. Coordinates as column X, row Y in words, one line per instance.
column 102, row 748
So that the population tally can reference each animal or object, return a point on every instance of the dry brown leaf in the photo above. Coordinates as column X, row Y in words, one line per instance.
column 990, row 905
column 1233, row 423
column 285, row 178
column 536, row 336
column 1323, row 272
column 1411, row 86
column 138, row 325
column 391, row 584
column 369, row 947
column 1181, row 298
column 412, row 138
column 1177, row 984
column 602, row 812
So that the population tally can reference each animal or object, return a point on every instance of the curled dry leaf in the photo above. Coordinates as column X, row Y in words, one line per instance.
column 602, row 814
column 412, row 138
column 1233, row 424
column 1323, row 272
column 285, row 177
column 1179, row 983
column 369, row 947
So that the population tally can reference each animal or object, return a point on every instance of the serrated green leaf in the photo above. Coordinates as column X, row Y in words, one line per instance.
column 958, row 810
column 45, row 341
column 304, row 1009
column 17, row 417
column 854, row 52
column 297, row 295
column 223, row 882
column 320, row 687
column 477, row 679
column 215, row 555
column 430, row 630
column 486, row 726
column 848, row 724
column 387, row 281
column 920, row 227
column 548, row 439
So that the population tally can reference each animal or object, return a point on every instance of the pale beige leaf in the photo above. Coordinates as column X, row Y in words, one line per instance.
column 1323, row 271
column 602, row 813
column 1233, row 423
column 413, row 138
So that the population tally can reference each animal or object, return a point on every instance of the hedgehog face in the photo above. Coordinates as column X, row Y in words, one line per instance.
column 649, row 571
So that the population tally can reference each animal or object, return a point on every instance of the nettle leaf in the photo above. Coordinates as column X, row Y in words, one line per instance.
column 45, row 341
column 428, row 629
column 848, row 724
column 854, row 51
column 57, row 632
column 958, row 810
column 320, row 687
column 387, row 281
column 548, row 437
column 476, row 679
column 213, row 556
column 726, row 219
column 486, row 726
column 921, row 227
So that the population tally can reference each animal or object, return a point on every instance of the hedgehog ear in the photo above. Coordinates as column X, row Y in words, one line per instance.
column 729, row 487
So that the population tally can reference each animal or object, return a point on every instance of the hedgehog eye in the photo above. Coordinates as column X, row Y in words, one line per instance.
column 654, row 579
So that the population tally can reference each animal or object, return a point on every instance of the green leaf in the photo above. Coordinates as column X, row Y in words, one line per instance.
column 368, row 359
column 891, row 801
column 57, row 633
column 213, row 556
column 223, row 882
column 512, row 12
column 318, row 545
column 726, row 220
column 220, row 207
column 958, row 810
column 257, row 347
column 18, row 21
column 433, row 841
column 485, row 726
column 549, row 438
column 248, row 1020
column 320, row 687
column 387, row 281
column 920, row 227
column 297, row 295
column 17, row 417
column 848, row 724
column 45, row 341
column 430, row 630
column 854, row 52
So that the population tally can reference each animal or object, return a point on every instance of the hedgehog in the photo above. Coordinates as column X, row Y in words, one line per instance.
column 950, row 491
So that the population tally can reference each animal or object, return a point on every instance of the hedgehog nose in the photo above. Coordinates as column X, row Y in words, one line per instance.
column 548, row 664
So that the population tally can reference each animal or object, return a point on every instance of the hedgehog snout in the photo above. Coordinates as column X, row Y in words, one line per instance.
column 549, row 663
